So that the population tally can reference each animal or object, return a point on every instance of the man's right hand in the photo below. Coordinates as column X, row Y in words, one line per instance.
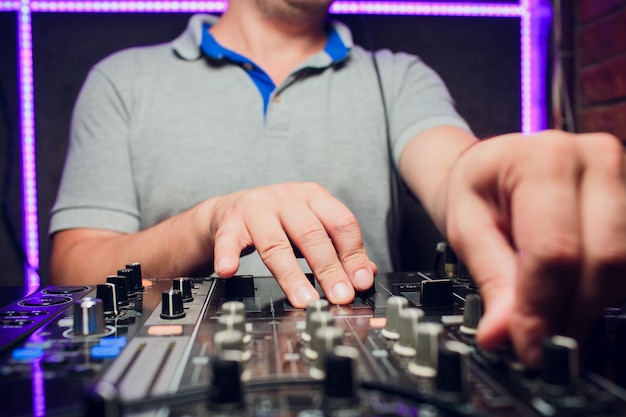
column 271, row 218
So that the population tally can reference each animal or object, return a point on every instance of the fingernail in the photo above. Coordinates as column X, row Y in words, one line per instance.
column 304, row 295
column 341, row 291
column 363, row 279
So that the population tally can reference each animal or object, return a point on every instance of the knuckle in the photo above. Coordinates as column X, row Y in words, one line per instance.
column 273, row 247
column 556, row 249
column 344, row 222
column 327, row 271
column 312, row 234
column 557, row 157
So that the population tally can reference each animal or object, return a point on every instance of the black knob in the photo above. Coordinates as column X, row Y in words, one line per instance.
column 340, row 384
column 226, row 390
column 106, row 292
column 184, row 286
column 472, row 314
column 128, row 274
column 137, row 275
column 172, row 305
column 120, row 289
column 559, row 364
column 453, row 371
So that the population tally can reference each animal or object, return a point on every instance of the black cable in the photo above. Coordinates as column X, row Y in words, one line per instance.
column 395, row 216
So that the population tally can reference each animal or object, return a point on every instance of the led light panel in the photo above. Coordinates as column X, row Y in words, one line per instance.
column 534, row 18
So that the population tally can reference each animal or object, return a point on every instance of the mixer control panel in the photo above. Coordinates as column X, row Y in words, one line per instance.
column 236, row 347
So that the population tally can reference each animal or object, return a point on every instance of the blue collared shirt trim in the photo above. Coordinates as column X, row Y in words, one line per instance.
column 335, row 49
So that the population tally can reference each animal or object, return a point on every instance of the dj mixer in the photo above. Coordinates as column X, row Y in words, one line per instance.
column 236, row 347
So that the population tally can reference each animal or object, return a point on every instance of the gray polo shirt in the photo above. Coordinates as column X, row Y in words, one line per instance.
column 158, row 129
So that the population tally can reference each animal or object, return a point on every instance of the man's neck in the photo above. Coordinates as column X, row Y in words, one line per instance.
column 275, row 43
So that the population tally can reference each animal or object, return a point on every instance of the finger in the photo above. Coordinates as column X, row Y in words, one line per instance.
column 309, row 235
column 230, row 239
column 277, row 254
column 545, row 213
column 344, row 231
column 476, row 236
column 604, row 227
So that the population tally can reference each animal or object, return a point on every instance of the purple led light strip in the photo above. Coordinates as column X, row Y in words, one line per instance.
column 533, row 15
column 9, row 6
column 29, row 174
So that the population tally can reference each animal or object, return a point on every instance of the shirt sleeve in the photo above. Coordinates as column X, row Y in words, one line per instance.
column 97, row 187
column 416, row 98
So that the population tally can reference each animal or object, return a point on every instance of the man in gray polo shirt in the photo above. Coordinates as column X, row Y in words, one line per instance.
column 267, row 127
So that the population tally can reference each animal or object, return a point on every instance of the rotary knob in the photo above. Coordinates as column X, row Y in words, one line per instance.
column 408, row 321
column 424, row 363
column 137, row 276
column 318, row 320
column 129, row 275
column 172, row 305
column 312, row 306
column 559, row 365
column 452, row 371
column 341, row 382
column 121, row 292
column 226, row 393
column 234, row 322
column 184, row 286
column 235, row 308
column 229, row 344
column 324, row 340
column 88, row 317
column 472, row 314
column 106, row 293
column 395, row 304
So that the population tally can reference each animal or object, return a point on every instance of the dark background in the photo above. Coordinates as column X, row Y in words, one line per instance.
column 478, row 58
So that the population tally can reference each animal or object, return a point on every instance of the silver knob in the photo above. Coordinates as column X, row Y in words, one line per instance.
column 88, row 317
column 424, row 363
column 408, row 320
column 313, row 306
column 394, row 305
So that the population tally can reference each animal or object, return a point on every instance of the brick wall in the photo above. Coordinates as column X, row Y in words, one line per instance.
column 600, row 65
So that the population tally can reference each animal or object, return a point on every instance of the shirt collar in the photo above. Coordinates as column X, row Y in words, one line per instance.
column 189, row 44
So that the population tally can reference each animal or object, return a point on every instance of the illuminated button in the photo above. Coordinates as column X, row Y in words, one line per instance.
column 105, row 352
column 113, row 341
column 27, row 354
column 41, row 345
column 165, row 330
